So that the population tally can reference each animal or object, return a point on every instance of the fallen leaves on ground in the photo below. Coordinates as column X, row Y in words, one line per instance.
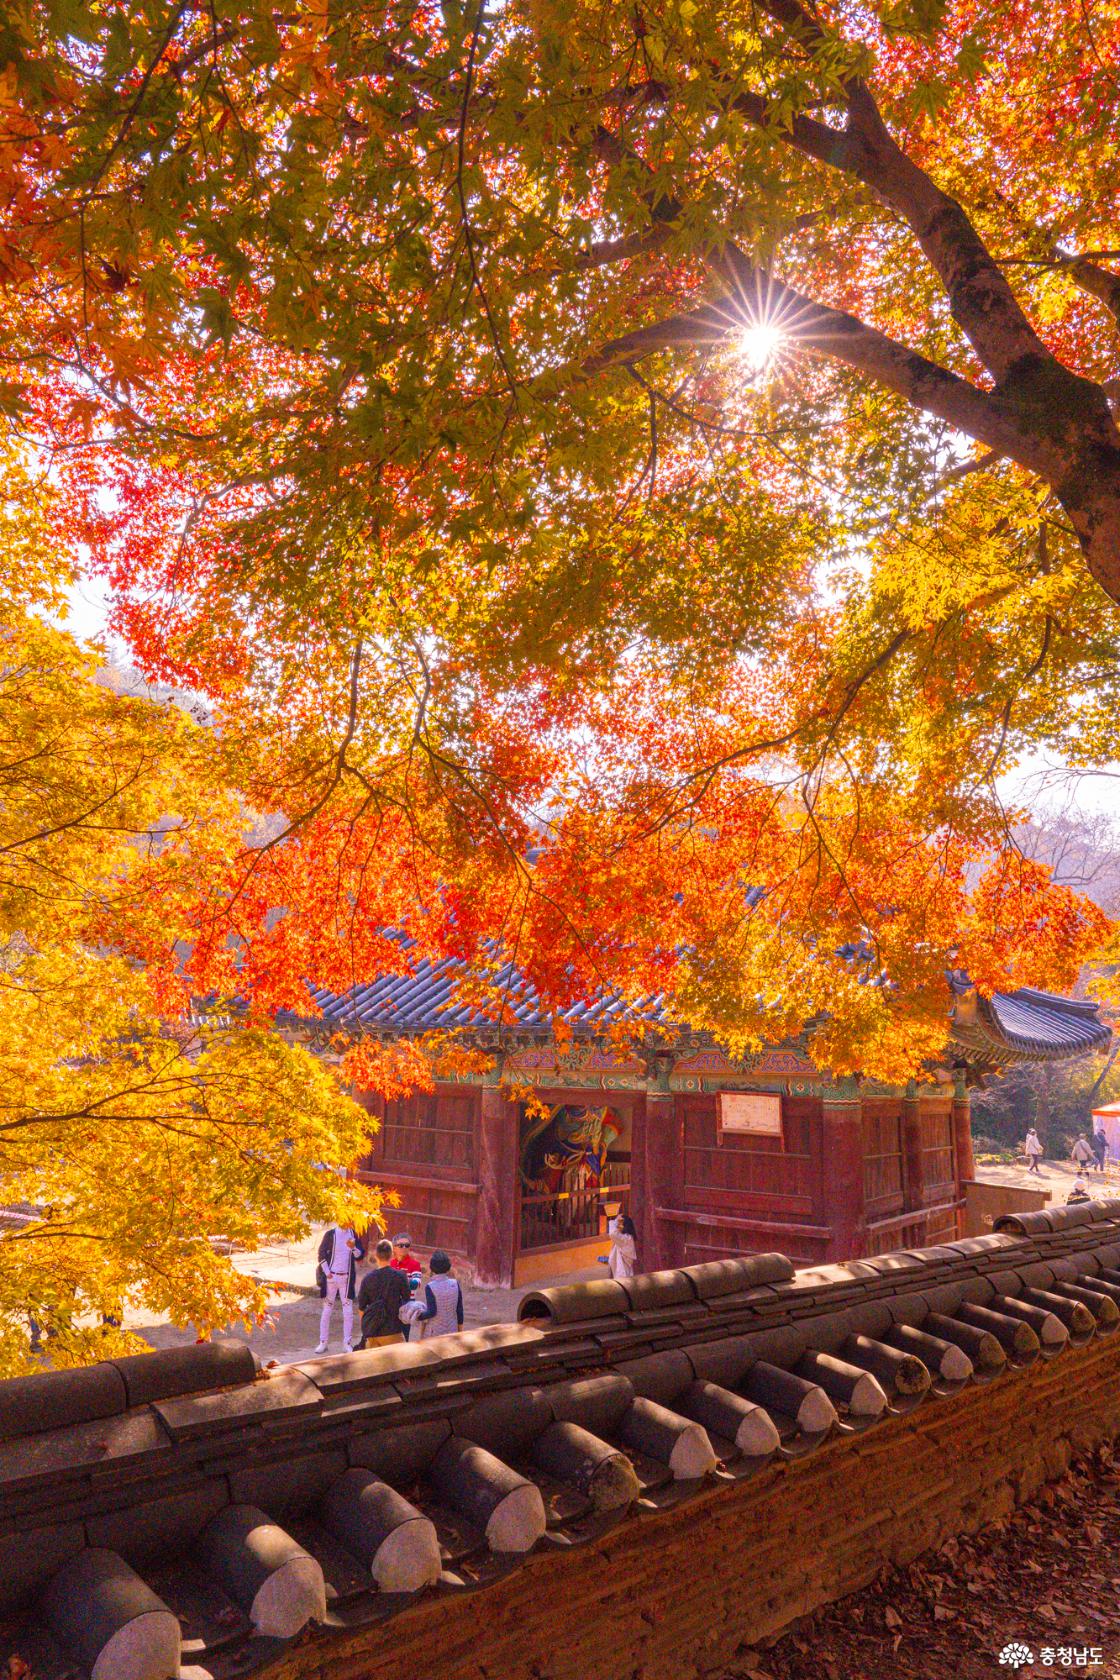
column 1045, row 1576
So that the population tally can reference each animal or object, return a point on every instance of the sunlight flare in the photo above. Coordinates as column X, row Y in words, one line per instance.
column 759, row 345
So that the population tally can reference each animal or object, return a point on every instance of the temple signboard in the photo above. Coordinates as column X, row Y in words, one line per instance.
column 754, row 1113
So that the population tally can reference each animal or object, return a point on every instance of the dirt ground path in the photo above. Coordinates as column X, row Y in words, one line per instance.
column 292, row 1329
column 1055, row 1176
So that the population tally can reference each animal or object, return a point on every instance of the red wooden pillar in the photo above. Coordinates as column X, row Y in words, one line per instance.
column 913, row 1156
column 657, row 1174
column 842, row 1121
column 495, row 1229
column 638, row 1200
column 962, row 1131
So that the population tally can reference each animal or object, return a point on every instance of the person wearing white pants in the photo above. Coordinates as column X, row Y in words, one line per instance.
column 339, row 1253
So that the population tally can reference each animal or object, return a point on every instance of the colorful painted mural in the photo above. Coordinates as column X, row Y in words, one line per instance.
column 566, row 1148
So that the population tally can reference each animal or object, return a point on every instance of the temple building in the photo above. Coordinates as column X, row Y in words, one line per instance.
column 516, row 1172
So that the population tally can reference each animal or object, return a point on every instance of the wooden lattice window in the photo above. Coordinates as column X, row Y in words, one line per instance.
column 882, row 1160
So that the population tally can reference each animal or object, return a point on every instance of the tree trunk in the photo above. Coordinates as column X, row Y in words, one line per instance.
column 1092, row 501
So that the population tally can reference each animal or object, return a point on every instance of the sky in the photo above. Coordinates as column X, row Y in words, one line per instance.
column 87, row 608
column 1044, row 783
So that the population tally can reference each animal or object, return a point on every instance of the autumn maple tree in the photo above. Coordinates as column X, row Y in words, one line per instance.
column 627, row 484
column 140, row 1138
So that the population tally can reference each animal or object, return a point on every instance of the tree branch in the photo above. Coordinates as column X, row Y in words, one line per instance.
column 982, row 302
column 137, row 99
column 835, row 333
column 1101, row 283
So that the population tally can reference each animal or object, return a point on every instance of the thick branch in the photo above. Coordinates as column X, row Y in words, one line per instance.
column 1099, row 282
column 982, row 302
column 831, row 332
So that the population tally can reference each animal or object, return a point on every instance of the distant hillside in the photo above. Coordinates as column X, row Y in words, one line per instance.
column 123, row 678
column 1082, row 851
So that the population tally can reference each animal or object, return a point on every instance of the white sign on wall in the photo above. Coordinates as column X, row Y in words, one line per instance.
column 756, row 1113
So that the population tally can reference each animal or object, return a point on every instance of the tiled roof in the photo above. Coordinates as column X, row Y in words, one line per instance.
column 425, row 999
column 1025, row 1025
column 184, row 1513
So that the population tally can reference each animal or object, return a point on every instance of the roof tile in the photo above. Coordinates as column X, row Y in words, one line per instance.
column 284, row 1394
column 1024, row 1024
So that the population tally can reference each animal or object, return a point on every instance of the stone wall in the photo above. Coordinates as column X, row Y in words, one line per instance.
column 628, row 1485
column 675, row 1595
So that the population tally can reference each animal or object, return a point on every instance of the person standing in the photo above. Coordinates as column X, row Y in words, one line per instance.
column 622, row 1261
column 339, row 1253
column 383, row 1293
column 1082, row 1153
column 405, row 1261
column 1032, row 1149
column 442, row 1311
column 1100, row 1147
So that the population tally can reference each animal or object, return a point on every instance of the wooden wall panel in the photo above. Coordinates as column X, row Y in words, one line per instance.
column 724, row 1242
column 944, row 1224
column 775, row 1177
column 435, row 1214
column 433, row 1129
column 938, row 1154
column 426, row 1151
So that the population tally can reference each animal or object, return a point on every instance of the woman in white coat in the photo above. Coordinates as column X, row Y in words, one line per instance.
column 622, row 1261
